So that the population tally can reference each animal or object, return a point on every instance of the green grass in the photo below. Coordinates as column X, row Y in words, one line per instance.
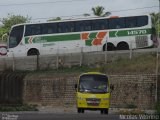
column 142, row 64
column 20, row 107
column 157, row 107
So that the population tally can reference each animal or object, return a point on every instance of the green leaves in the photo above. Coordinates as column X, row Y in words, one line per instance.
column 155, row 22
column 55, row 19
column 11, row 20
column 99, row 11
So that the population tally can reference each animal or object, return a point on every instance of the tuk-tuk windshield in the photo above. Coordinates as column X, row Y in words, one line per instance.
column 93, row 83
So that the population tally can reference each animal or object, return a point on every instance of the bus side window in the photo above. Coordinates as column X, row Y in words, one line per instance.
column 79, row 26
column 103, row 24
column 87, row 25
column 33, row 29
column 70, row 27
column 142, row 21
column 100, row 24
column 116, row 23
column 65, row 27
column 61, row 28
column 49, row 28
column 130, row 22
column 28, row 31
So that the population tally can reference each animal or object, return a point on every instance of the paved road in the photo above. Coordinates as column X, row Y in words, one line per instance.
column 61, row 113
column 56, row 116
column 73, row 116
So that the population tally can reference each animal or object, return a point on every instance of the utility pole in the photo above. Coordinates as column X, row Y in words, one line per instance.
column 106, row 54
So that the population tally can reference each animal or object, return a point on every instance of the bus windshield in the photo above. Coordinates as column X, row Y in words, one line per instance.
column 16, row 35
column 93, row 83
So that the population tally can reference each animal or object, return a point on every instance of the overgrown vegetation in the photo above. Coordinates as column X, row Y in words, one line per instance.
column 142, row 64
column 131, row 112
column 158, row 108
column 20, row 107
column 145, row 63
column 9, row 21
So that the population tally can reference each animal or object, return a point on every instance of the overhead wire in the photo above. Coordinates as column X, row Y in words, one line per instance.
column 36, row 3
column 64, row 1
column 90, row 13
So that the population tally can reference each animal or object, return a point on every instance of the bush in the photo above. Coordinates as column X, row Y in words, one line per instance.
column 131, row 105
column 131, row 112
column 158, row 108
column 21, row 107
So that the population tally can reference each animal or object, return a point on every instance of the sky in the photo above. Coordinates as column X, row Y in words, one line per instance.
column 42, row 10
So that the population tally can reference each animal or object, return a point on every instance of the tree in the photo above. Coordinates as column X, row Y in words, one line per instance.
column 156, row 28
column 2, row 32
column 55, row 19
column 11, row 20
column 99, row 11
column 155, row 22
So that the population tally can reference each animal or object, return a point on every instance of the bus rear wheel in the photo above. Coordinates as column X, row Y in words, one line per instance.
column 122, row 46
column 110, row 47
column 33, row 51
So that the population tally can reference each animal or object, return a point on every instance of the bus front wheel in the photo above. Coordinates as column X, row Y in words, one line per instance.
column 110, row 47
column 122, row 46
column 33, row 51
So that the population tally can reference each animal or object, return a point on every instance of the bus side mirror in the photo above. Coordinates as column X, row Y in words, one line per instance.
column 111, row 87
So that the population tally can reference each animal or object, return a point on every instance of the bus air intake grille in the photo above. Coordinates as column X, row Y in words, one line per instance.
column 93, row 101
column 141, row 41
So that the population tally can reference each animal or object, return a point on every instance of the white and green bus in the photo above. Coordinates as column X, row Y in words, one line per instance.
column 91, row 34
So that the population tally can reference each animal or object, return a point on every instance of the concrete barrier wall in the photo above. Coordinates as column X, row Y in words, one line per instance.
column 58, row 90
column 63, row 60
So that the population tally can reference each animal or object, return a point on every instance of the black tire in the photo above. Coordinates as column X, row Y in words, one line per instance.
column 80, row 110
column 101, row 111
column 110, row 47
column 104, row 111
column 122, row 46
column 33, row 52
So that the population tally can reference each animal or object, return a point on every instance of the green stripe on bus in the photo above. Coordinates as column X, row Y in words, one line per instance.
column 121, row 33
column 62, row 37
column 41, row 39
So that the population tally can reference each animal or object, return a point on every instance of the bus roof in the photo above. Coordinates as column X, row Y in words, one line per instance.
column 77, row 19
column 63, row 20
